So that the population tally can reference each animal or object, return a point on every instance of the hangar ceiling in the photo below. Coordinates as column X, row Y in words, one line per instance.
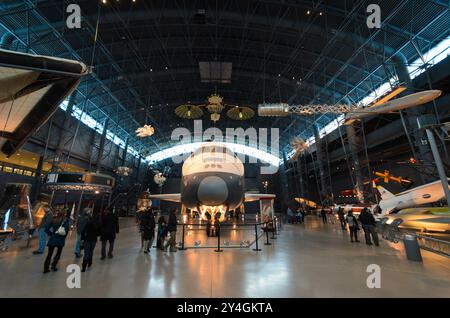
column 146, row 58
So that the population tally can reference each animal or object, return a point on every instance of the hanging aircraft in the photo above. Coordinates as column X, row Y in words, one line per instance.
column 212, row 183
column 427, row 193
column 386, row 177
column 397, row 104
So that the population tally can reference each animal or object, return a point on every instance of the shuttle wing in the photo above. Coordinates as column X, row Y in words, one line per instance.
column 172, row 197
column 249, row 197
column 32, row 88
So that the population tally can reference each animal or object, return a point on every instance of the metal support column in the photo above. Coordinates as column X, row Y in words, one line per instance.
column 37, row 179
column 320, row 162
column 101, row 148
column 439, row 165
column 355, row 144
column 416, row 137
column 300, row 176
column 124, row 153
column 62, row 136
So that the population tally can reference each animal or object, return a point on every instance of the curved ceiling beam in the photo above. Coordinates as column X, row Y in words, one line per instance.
column 146, row 15
column 278, row 48
column 237, row 73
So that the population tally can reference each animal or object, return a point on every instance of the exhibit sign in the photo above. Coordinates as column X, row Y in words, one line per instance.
column 266, row 209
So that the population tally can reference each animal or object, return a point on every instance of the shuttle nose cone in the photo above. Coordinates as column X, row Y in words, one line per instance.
column 212, row 190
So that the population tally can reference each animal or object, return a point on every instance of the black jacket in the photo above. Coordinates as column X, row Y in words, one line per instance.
column 56, row 239
column 148, row 225
column 81, row 223
column 172, row 223
column 367, row 218
column 109, row 228
column 91, row 230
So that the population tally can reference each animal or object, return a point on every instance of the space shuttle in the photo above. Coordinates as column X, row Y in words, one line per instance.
column 212, row 183
column 397, row 104
column 427, row 193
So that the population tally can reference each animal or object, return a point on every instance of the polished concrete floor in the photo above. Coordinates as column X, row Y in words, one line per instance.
column 311, row 260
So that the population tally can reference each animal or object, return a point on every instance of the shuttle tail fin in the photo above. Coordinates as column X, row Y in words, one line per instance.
column 385, row 194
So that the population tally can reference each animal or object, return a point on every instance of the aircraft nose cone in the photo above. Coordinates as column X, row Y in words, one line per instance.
column 212, row 190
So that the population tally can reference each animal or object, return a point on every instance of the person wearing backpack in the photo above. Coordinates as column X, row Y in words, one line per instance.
column 352, row 226
column 57, row 230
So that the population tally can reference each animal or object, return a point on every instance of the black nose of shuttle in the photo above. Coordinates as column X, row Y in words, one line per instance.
column 212, row 190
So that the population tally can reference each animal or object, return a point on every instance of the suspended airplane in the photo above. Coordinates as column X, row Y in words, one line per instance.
column 212, row 183
column 386, row 176
column 427, row 193
column 401, row 103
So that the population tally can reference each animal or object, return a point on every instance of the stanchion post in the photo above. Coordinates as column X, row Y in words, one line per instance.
column 273, row 230
column 256, row 249
column 182, row 239
column 218, row 239
column 267, row 236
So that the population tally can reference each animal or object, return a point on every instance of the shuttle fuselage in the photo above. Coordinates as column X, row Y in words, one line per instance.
column 212, row 180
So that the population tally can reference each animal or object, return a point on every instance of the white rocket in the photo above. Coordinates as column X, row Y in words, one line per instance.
column 401, row 103
column 427, row 193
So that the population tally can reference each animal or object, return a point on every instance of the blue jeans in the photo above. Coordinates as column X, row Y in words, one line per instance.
column 42, row 240
column 78, row 244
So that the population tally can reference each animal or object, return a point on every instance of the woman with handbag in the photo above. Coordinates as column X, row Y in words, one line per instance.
column 57, row 230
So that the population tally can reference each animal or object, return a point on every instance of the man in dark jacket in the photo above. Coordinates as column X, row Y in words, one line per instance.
column 368, row 223
column 81, row 224
column 110, row 226
column 323, row 214
column 89, row 237
column 341, row 216
column 172, row 229
column 148, row 229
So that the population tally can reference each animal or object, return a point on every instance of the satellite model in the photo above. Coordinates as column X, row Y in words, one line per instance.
column 299, row 145
column 145, row 131
column 214, row 106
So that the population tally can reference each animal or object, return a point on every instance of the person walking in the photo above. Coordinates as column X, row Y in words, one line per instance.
column 369, row 226
column 172, row 229
column 341, row 216
column 148, row 227
column 352, row 226
column 81, row 224
column 323, row 213
column 57, row 230
column 162, row 232
column 46, row 220
column 89, row 237
column 108, row 231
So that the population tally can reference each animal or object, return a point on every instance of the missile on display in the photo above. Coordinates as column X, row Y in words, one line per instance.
column 401, row 103
column 427, row 193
